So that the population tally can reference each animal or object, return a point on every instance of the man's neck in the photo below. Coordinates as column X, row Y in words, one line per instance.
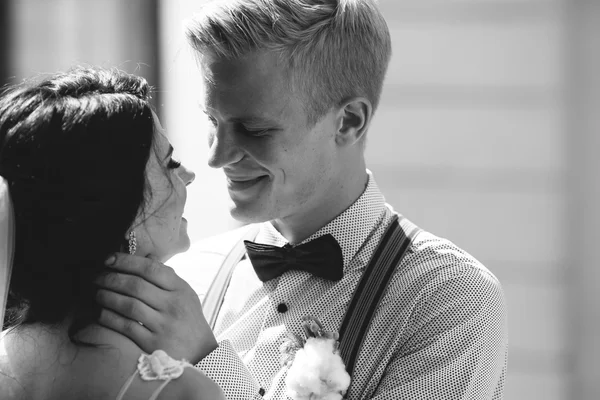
column 301, row 226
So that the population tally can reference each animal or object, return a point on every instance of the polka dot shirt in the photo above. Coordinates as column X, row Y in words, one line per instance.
column 440, row 331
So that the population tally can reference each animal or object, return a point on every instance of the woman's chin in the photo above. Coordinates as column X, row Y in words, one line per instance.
column 184, row 238
column 183, row 245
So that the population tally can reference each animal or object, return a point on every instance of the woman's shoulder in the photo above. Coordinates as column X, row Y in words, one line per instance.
column 31, row 363
column 23, row 354
column 10, row 388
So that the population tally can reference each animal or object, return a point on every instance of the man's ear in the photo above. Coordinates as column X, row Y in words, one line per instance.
column 353, row 120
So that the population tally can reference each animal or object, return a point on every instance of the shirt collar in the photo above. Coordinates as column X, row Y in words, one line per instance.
column 360, row 219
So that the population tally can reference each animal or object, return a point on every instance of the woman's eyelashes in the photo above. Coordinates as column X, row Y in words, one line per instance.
column 173, row 163
column 212, row 120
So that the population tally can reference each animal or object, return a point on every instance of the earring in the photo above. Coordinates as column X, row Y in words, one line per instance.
column 132, row 243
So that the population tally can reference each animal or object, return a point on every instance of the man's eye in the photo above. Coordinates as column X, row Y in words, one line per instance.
column 173, row 164
column 257, row 133
column 254, row 132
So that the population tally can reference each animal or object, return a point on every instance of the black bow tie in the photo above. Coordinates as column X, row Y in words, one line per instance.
column 321, row 257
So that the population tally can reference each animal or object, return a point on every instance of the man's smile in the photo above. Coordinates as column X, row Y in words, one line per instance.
column 239, row 183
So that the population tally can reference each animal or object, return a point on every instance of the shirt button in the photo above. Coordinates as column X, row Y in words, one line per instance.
column 282, row 307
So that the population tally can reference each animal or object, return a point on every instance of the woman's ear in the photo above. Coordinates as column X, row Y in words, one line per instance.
column 353, row 121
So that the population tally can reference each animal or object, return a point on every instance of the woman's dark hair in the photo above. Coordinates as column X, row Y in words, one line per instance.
column 73, row 149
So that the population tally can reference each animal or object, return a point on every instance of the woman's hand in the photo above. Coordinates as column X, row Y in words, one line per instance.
column 150, row 304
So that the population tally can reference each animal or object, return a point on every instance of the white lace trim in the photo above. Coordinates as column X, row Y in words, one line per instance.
column 159, row 366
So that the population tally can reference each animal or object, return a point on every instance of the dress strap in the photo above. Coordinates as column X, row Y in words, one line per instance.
column 160, row 388
column 126, row 386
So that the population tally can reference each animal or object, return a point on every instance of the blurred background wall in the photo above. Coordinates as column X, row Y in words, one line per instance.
column 487, row 133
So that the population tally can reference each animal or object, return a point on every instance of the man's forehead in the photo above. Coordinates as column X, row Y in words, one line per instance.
column 253, row 88
column 258, row 65
column 249, row 100
column 251, row 113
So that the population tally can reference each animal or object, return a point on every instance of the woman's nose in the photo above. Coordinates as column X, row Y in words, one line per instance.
column 187, row 175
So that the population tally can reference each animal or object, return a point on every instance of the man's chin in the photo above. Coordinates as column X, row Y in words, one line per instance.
column 248, row 213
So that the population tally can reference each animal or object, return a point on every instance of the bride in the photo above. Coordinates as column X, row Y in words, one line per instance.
column 89, row 171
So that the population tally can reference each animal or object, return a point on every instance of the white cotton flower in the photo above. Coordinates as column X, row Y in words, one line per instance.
column 318, row 372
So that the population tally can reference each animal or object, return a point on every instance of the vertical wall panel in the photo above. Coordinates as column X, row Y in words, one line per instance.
column 470, row 143
column 584, row 187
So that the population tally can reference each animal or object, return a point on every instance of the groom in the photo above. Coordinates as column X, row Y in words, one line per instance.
column 291, row 90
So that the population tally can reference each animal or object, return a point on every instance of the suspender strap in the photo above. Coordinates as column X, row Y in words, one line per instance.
column 372, row 286
column 211, row 305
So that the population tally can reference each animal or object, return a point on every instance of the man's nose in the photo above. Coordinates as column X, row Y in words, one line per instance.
column 223, row 149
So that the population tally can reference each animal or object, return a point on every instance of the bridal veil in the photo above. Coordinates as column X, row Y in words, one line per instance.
column 7, row 226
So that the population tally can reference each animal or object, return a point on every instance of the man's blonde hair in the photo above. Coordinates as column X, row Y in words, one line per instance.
column 333, row 49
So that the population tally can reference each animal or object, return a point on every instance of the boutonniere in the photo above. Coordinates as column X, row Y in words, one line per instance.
column 316, row 370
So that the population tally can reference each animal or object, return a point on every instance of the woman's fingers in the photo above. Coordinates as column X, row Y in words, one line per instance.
column 141, row 289
column 138, row 333
column 149, row 269
column 131, row 286
column 128, row 309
